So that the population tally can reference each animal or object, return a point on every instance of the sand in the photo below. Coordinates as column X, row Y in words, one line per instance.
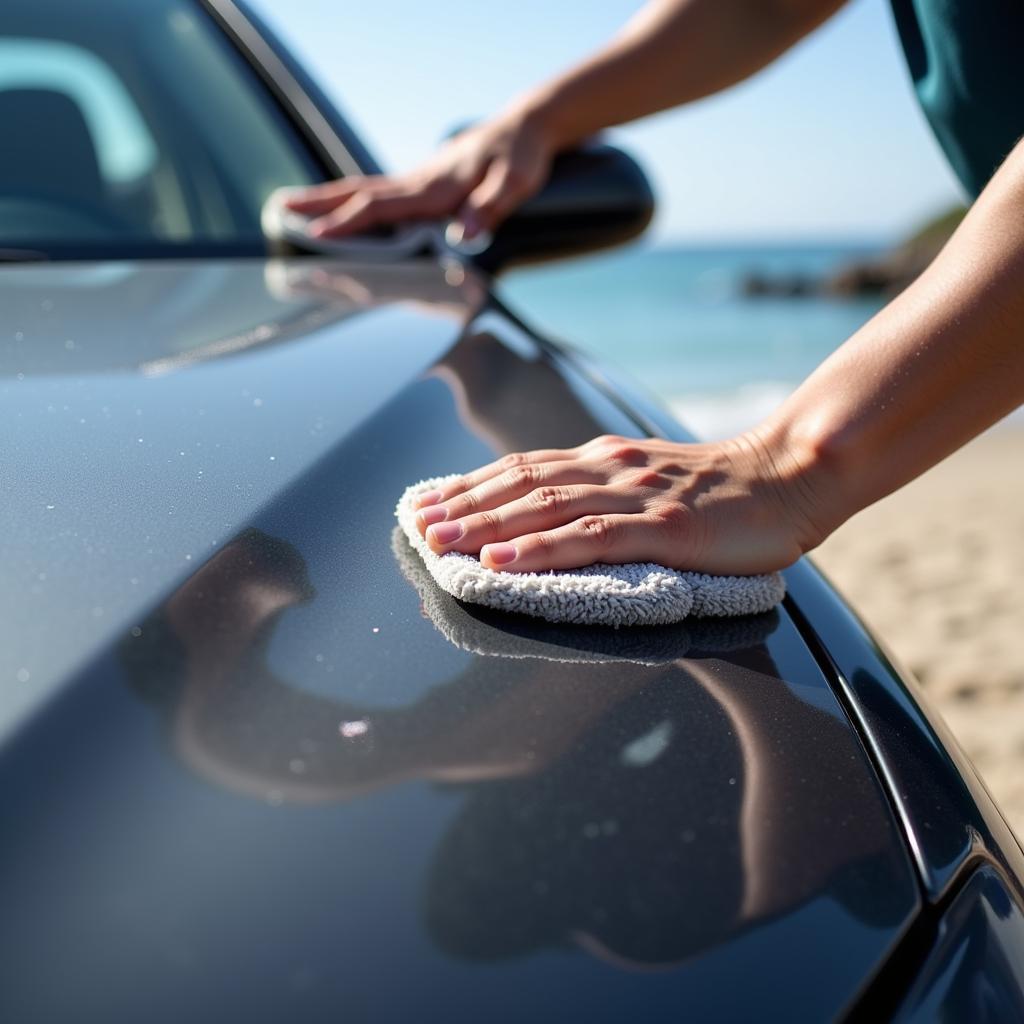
column 936, row 571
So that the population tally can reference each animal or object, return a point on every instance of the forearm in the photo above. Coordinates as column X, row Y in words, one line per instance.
column 932, row 370
column 671, row 52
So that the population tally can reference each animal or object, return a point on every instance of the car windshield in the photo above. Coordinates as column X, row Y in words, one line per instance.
column 133, row 127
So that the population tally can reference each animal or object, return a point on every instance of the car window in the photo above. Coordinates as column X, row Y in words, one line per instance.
column 135, row 127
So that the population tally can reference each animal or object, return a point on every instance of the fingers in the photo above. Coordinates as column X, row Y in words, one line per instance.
column 318, row 199
column 503, row 188
column 507, row 487
column 366, row 209
column 493, row 469
column 612, row 538
column 543, row 509
column 357, row 203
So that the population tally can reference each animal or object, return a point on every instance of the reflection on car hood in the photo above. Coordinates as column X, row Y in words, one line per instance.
column 270, row 774
column 153, row 409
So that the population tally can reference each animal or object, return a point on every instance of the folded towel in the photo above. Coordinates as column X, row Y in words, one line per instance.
column 492, row 634
column 635, row 594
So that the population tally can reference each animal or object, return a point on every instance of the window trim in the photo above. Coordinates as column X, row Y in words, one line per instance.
column 332, row 141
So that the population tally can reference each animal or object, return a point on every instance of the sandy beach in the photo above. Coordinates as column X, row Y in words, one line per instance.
column 935, row 570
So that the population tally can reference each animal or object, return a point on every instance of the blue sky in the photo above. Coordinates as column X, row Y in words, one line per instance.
column 827, row 143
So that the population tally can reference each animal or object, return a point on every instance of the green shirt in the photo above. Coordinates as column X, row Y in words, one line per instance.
column 967, row 61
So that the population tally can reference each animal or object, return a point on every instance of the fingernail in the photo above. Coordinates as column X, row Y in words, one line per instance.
column 445, row 533
column 428, row 498
column 470, row 224
column 500, row 554
column 431, row 515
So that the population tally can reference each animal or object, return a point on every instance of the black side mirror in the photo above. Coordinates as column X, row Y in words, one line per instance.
column 596, row 197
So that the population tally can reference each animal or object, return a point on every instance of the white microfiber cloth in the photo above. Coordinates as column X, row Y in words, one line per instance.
column 482, row 631
column 635, row 594
column 405, row 240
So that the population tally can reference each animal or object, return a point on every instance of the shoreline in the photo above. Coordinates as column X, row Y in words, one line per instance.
column 935, row 570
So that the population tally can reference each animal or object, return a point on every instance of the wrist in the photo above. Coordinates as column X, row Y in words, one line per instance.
column 539, row 113
column 797, row 460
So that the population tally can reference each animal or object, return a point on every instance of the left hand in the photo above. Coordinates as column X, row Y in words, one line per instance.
column 726, row 507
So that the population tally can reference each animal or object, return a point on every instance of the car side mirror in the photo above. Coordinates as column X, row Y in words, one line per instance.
column 597, row 196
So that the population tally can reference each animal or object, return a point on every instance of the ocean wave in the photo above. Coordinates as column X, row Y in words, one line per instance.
column 715, row 415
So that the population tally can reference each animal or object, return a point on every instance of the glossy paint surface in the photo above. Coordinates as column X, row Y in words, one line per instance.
column 152, row 409
column 280, row 776
column 946, row 812
column 976, row 971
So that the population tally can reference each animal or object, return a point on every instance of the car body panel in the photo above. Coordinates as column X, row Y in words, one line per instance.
column 947, row 812
column 948, row 816
column 975, row 971
column 152, row 408
column 278, row 772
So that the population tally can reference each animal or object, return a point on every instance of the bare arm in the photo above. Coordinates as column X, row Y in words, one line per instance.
column 671, row 52
column 933, row 369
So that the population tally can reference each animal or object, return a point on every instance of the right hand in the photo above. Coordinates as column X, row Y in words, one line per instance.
column 736, row 507
column 478, row 177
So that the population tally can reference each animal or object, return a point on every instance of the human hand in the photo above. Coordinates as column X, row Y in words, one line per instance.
column 480, row 176
column 729, row 507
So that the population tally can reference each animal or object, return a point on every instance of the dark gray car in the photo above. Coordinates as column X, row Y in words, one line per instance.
column 255, row 765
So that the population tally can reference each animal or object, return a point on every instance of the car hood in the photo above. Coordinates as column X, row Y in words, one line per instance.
column 256, row 766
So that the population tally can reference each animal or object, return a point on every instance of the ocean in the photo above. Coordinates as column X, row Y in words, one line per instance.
column 677, row 321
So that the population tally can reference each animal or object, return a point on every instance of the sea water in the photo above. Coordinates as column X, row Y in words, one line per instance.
column 678, row 321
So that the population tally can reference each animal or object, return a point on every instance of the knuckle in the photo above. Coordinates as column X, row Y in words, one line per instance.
column 524, row 476
column 467, row 503
column 489, row 522
column 627, row 455
column 647, row 479
column 599, row 531
column 511, row 460
column 543, row 543
column 550, row 499
column 671, row 516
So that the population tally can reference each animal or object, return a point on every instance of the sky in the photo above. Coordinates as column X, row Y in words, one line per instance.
column 826, row 144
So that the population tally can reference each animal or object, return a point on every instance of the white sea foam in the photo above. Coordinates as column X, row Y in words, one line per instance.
column 714, row 415
column 720, row 414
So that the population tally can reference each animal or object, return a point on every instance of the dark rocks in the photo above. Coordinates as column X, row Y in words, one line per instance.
column 883, row 276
